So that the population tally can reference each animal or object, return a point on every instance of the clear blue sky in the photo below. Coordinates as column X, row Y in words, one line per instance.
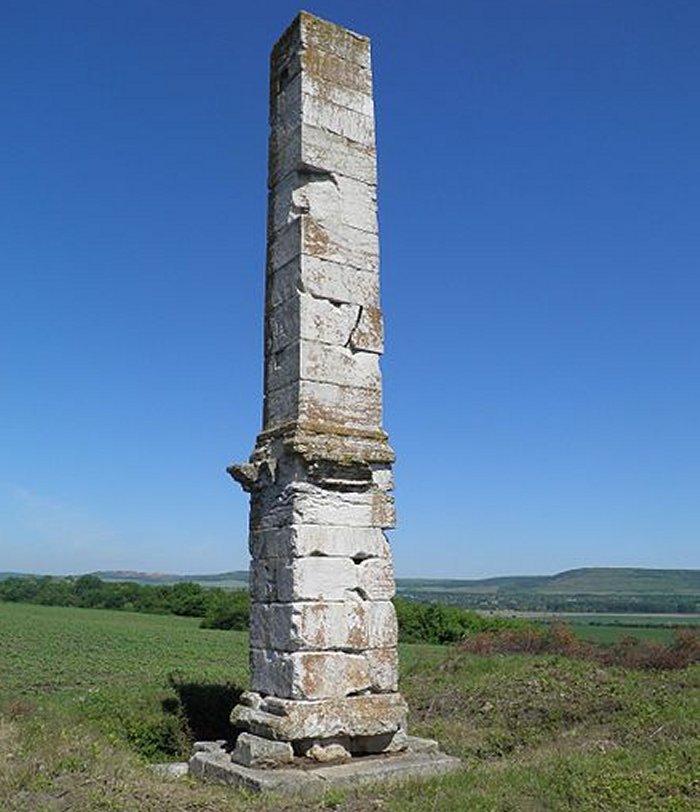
column 539, row 205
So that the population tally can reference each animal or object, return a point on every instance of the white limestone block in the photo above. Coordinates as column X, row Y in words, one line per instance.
column 318, row 85
column 312, row 505
column 295, row 541
column 308, row 675
column 306, row 503
column 337, row 242
column 328, row 198
column 339, row 120
column 322, row 280
column 368, row 333
column 358, row 204
column 329, row 405
column 313, row 319
column 292, row 149
column 383, row 669
column 325, row 363
column 313, row 625
column 328, row 753
column 281, row 405
column 301, row 540
column 303, row 193
column 316, row 34
column 340, row 244
column 303, row 579
column 382, row 627
column 383, row 477
column 294, row 720
column 256, row 751
column 340, row 365
column 376, row 579
column 284, row 245
column 293, row 107
column 317, row 578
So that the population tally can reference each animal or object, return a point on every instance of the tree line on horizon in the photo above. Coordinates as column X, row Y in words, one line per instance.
column 230, row 609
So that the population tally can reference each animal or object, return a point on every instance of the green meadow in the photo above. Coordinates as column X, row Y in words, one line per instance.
column 90, row 698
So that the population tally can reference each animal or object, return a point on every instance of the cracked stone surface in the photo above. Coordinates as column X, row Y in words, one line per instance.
column 323, row 629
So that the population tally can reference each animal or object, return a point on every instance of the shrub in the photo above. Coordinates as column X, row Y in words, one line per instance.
column 437, row 623
column 227, row 610
column 558, row 638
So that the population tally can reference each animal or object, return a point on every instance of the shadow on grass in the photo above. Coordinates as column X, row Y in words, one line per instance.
column 205, row 708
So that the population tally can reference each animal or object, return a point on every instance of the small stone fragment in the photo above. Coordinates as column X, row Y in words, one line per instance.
column 254, row 751
column 327, row 753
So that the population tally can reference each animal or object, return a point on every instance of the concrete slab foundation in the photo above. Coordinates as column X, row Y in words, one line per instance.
column 212, row 762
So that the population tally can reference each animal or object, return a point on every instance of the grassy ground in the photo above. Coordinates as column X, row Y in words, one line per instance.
column 87, row 697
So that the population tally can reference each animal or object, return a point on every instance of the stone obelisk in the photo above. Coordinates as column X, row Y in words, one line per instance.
column 323, row 629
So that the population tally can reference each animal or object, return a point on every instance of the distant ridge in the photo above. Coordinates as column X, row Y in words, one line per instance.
column 582, row 581
column 235, row 579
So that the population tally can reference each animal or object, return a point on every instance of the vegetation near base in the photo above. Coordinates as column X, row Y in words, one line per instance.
column 88, row 698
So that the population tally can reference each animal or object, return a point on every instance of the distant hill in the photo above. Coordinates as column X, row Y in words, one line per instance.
column 585, row 581
column 236, row 579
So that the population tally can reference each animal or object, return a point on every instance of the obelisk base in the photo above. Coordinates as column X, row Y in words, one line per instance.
column 421, row 759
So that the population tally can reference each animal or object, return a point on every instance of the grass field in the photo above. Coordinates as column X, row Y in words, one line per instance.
column 87, row 697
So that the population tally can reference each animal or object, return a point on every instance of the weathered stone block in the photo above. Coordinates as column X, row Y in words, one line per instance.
column 368, row 333
column 375, row 578
column 322, row 280
column 289, row 720
column 340, row 244
column 325, row 36
column 312, row 319
column 284, row 245
column 330, row 199
column 383, row 669
column 308, row 146
column 256, row 751
column 303, row 579
column 325, row 754
column 383, row 477
column 294, row 107
column 313, row 625
column 281, row 405
column 312, row 505
column 309, row 33
column 323, row 363
column 339, row 364
column 327, row 406
column 350, row 124
column 382, row 628
column 306, row 503
column 320, row 84
column 297, row 541
column 308, row 675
